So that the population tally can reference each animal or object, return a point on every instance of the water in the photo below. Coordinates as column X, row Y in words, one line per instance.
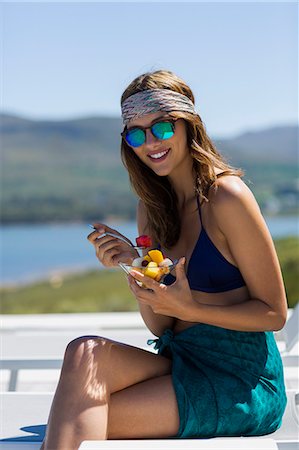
column 32, row 252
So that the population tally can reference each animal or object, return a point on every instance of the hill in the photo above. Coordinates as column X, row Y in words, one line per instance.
column 278, row 143
column 71, row 169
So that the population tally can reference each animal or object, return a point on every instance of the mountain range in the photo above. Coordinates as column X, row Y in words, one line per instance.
column 71, row 169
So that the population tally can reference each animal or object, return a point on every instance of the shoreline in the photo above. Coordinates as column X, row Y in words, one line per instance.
column 54, row 277
column 109, row 219
column 120, row 220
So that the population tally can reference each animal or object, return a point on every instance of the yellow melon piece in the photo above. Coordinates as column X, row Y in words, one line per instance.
column 156, row 255
column 147, row 258
column 152, row 264
column 151, row 270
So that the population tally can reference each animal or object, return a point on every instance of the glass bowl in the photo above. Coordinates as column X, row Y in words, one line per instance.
column 156, row 273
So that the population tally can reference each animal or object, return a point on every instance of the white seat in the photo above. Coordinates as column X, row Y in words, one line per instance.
column 289, row 430
column 20, row 323
column 288, row 338
column 24, row 417
column 288, row 344
column 238, row 443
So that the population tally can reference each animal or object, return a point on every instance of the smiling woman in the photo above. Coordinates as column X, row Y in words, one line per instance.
column 218, row 371
column 189, row 136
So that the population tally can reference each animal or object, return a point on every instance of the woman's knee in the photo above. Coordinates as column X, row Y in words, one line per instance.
column 83, row 352
column 83, row 371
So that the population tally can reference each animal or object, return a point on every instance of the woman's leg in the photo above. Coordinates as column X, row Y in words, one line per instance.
column 95, row 368
column 145, row 410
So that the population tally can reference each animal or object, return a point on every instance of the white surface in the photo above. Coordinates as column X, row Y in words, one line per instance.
column 24, row 415
column 46, row 336
column 290, row 331
column 289, row 429
column 86, row 321
column 183, row 444
column 20, row 445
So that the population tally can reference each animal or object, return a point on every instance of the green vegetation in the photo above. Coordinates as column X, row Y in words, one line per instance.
column 288, row 254
column 95, row 291
column 104, row 291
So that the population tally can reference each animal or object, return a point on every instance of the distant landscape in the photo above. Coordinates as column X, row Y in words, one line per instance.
column 71, row 170
column 67, row 171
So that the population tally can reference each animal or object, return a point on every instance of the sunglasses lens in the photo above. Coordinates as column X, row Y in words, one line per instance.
column 135, row 137
column 163, row 130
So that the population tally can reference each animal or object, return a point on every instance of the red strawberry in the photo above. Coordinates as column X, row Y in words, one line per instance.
column 144, row 241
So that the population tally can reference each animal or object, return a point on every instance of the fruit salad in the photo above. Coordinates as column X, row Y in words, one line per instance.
column 153, row 265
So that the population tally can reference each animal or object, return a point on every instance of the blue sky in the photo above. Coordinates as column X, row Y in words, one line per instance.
column 71, row 59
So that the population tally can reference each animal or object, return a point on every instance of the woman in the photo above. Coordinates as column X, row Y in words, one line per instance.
column 218, row 371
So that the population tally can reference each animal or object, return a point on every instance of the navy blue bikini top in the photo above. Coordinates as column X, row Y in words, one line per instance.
column 208, row 269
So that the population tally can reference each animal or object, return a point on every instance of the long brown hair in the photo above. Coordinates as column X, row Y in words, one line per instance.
column 156, row 192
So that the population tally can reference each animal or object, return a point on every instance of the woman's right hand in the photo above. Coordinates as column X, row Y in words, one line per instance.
column 110, row 250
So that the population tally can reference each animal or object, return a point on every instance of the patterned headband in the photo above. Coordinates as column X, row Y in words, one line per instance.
column 153, row 100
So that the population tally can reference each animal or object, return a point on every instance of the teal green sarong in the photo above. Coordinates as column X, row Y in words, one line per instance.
column 227, row 383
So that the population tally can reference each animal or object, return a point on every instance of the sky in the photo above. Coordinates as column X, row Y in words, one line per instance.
column 64, row 60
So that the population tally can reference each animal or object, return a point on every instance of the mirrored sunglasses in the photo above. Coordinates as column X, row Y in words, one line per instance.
column 161, row 130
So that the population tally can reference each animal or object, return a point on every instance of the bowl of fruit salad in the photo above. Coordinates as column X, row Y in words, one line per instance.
column 153, row 265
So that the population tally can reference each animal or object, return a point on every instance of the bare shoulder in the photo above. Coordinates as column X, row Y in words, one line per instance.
column 233, row 206
column 230, row 195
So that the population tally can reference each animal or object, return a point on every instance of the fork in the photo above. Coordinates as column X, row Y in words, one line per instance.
column 107, row 233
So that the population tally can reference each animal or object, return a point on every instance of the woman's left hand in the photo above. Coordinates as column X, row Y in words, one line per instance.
column 174, row 300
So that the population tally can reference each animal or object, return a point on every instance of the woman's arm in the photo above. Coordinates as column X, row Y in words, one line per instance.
column 156, row 323
column 238, row 216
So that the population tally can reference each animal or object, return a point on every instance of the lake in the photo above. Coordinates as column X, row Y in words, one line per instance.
column 33, row 252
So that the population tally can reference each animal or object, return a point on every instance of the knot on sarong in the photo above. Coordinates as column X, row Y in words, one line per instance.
column 163, row 341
